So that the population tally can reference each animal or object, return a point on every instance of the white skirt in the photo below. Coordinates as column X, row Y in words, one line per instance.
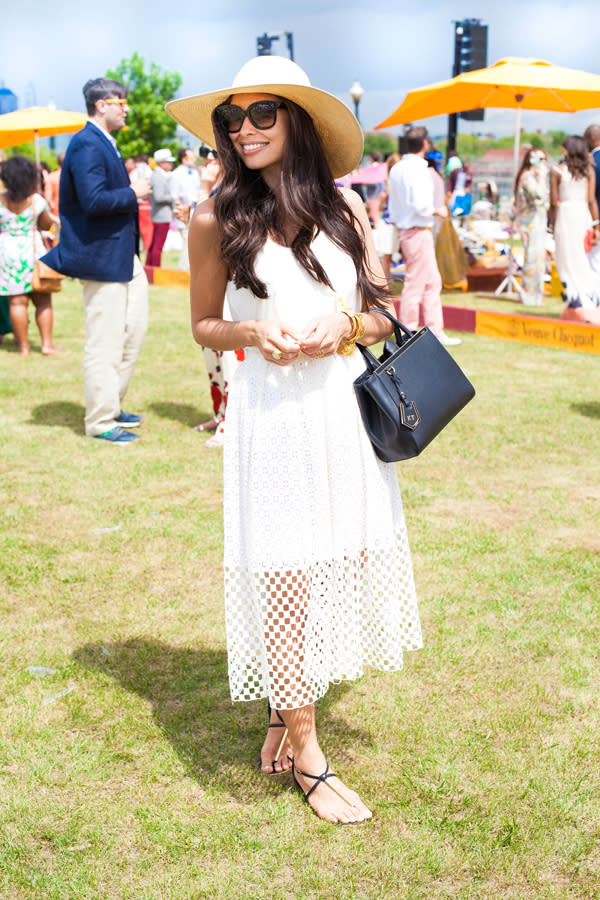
column 318, row 574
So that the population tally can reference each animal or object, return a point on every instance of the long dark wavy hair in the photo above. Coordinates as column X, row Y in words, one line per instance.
column 247, row 211
column 577, row 159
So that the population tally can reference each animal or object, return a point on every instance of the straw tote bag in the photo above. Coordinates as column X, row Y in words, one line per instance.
column 44, row 279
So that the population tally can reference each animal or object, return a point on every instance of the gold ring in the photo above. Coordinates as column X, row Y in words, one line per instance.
column 277, row 354
column 319, row 354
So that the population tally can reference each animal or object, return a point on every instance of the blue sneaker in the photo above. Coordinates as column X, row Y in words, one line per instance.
column 118, row 436
column 129, row 420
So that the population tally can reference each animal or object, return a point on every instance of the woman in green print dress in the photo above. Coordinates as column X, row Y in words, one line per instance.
column 22, row 211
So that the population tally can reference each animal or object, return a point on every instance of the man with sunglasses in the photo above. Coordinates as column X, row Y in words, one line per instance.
column 99, row 245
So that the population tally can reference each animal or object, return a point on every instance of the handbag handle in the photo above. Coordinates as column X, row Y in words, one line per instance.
column 401, row 333
column 34, row 230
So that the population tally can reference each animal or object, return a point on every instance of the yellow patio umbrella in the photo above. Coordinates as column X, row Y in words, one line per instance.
column 511, row 83
column 36, row 122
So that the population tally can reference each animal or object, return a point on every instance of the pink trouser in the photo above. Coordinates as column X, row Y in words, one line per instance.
column 422, row 280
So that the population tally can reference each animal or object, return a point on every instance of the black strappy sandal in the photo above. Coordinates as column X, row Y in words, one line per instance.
column 320, row 779
column 280, row 724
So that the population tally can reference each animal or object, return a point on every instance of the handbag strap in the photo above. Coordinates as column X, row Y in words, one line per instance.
column 401, row 332
column 33, row 231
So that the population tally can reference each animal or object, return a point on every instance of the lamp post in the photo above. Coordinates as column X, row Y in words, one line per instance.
column 52, row 141
column 356, row 92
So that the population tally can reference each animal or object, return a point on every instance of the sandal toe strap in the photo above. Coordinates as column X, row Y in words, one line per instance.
column 318, row 779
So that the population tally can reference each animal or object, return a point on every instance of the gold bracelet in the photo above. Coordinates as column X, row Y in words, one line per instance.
column 360, row 331
column 346, row 313
column 346, row 347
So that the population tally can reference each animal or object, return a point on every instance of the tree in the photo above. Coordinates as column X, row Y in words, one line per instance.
column 383, row 143
column 556, row 138
column 149, row 127
column 28, row 151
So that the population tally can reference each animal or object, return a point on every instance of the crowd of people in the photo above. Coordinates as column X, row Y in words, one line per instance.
column 562, row 203
column 177, row 185
column 30, row 220
column 555, row 217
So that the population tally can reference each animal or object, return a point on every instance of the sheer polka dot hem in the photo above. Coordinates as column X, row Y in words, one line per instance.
column 294, row 631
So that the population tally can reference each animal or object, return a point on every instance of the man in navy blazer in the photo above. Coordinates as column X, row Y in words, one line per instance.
column 99, row 244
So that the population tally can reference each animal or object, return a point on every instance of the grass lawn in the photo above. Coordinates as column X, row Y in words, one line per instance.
column 125, row 770
column 551, row 307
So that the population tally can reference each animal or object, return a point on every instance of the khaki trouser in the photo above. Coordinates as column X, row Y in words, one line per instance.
column 116, row 320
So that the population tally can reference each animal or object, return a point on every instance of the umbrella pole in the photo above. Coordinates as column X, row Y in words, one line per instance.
column 517, row 142
column 510, row 283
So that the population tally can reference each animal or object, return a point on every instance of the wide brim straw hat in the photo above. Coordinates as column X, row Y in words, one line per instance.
column 336, row 125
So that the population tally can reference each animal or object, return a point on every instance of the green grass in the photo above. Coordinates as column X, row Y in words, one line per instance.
column 551, row 307
column 480, row 760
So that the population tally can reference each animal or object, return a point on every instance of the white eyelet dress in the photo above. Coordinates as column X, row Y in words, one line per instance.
column 318, row 574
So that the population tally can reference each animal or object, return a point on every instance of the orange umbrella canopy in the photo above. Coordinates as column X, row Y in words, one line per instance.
column 510, row 83
column 25, row 125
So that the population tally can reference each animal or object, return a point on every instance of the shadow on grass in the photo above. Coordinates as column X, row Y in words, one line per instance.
column 591, row 410
column 189, row 694
column 178, row 412
column 9, row 345
column 59, row 412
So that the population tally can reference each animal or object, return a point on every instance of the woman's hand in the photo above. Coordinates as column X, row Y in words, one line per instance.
column 323, row 334
column 277, row 338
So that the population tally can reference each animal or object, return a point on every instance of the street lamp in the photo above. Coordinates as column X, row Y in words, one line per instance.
column 52, row 141
column 356, row 92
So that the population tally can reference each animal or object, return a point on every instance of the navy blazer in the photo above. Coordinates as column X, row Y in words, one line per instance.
column 98, row 212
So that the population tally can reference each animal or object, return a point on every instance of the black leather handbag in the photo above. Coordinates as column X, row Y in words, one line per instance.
column 408, row 395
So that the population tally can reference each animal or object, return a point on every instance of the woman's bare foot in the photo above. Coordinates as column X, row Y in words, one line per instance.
column 50, row 351
column 24, row 349
column 275, row 756
column 331, row 800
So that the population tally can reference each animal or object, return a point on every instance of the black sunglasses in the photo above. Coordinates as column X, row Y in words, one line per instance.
column 262, row 114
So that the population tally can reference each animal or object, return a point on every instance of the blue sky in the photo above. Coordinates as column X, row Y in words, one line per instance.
column 56, row 47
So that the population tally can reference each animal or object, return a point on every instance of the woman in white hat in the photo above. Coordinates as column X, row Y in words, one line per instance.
column 318, row 577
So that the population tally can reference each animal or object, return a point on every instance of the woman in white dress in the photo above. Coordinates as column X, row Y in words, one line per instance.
column 318, row 576
column 573, row 211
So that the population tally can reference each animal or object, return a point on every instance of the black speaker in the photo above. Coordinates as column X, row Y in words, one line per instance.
column 470, row 52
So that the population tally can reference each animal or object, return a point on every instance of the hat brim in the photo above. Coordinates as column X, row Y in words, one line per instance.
column 336, row 125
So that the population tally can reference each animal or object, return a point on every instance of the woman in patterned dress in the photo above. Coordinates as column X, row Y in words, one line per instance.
column 532, row 194
column 318, row 577
column 22, row 213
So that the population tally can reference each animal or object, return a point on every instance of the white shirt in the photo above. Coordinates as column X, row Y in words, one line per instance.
column 411, row 193
column 107, row 135
column 185, row 187
column 185, row 184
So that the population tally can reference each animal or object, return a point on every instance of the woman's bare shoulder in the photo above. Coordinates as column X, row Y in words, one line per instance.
column 353, row 200
column 204, row 228
column 204, row 218
column 357, row 206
